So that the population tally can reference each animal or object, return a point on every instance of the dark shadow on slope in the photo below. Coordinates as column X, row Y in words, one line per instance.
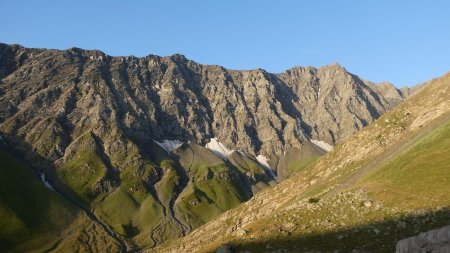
column 371, row 108
column 24, row 153
column 27, row 205
column 22, row 195
column 374, row 237
column 8, row 59
column 193, row 82
column 286, row 96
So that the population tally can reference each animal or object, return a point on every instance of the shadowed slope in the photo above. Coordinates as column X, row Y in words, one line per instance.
column 33, row 218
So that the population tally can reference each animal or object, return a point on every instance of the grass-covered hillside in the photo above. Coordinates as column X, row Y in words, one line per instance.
column 150, row 196
column 34, row 218
column 140, row 196
column 30, row 214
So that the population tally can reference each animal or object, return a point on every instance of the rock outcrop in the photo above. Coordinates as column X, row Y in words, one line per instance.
column 437, row 240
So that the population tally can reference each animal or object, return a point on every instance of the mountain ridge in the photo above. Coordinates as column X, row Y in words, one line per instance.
column 183, row 57
column 97, row 56
column 94, row 124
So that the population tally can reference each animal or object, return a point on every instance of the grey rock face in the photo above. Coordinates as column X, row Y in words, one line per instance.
column 393, row 95
column 70, row 92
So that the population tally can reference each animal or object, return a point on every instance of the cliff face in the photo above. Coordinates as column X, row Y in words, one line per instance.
column 174, row 98
column 93, row 122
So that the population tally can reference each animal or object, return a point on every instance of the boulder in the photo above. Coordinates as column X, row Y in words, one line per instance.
column 437, row 240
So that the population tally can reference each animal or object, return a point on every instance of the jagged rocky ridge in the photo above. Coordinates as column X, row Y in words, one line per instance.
column 89, row 121
column 174, row 98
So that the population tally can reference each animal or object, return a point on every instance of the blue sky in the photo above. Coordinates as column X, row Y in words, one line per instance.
column 405, row 42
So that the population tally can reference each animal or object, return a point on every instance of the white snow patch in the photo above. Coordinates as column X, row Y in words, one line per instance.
column 218, row 148
column 263, row 161
column 318, row 93
column 169, row 145
column 299, row 122
column 323, row 145
column 242, row 153
column 46, row 183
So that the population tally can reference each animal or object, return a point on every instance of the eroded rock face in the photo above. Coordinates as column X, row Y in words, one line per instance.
column 69, row 92
column 437, row 240
column 91, row 121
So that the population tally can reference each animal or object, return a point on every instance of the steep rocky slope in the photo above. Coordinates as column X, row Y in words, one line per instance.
column 174, row 98
column 387, row 182
column 124, row 137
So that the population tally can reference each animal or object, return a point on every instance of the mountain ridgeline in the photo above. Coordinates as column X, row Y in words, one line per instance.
column 144, row 150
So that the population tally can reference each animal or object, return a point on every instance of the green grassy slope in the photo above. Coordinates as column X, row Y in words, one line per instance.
column 417, row 177
column 148, row 196
column 82, row 173
column 119, row 190
column 408, row 194
column 214, row 186
column 31, row 216
column 406, row 180
column 295, row 160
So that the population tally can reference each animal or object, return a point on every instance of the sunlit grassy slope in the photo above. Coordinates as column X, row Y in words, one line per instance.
column 408, row 194
column 214, row 186
column 419, row 176
column 406, row 185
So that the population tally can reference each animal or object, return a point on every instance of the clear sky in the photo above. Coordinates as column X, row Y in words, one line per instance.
column 405, row 42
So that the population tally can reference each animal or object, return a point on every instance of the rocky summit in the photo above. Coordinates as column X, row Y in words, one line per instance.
column 158, row 98
column 134, row 152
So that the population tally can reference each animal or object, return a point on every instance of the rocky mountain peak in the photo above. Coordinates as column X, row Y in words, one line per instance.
column 333, row 66
column 179, row 58
column 168, row 137
column 191, row 101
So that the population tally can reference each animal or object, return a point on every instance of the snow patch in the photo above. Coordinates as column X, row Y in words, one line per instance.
column 218, row 148
column 46, row 183
column 318, row 93
column 263, row 161
column 299, row 122
column 169, row 145
column 323, row 145
column 242, row 153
